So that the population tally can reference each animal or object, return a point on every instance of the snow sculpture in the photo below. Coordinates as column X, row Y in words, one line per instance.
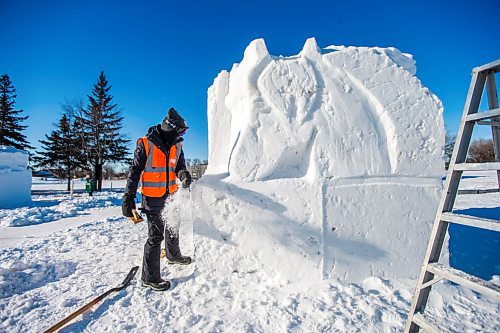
column 15, row 178
column 356, row 125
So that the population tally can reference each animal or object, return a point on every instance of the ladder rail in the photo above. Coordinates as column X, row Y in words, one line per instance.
column 450, row 190
column 493, row 104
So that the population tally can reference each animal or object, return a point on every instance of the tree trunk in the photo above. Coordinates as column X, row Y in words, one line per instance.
column 68, row 175
column 98, row 175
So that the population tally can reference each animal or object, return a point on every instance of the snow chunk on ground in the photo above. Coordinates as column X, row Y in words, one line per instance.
column 355, row 130
column 15, row 177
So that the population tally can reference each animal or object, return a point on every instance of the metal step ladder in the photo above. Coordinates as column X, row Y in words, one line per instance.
column 432, row 271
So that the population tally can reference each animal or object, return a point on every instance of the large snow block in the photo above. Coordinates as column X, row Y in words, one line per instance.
column 377, row 229
column 15, row 178
column 354, row 121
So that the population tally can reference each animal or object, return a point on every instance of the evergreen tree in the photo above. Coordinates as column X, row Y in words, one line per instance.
column 10, row 119
column 62, row 150
column 100, row 123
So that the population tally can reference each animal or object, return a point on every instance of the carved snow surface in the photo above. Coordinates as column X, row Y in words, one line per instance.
column 352, row 135
column 361, row 111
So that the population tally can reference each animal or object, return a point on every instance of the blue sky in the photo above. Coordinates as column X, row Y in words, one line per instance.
column 158, row 54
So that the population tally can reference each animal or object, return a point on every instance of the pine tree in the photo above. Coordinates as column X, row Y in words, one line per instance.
column 62, row 150
column 10, row 120
column 100, row 123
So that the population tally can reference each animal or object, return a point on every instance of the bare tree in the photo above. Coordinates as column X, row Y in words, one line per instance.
column 481, row 151
column 109, row 171
column 448, row 146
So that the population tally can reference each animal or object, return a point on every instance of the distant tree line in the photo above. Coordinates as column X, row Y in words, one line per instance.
column 480, row 150
column 86, row 137
column 195, row 161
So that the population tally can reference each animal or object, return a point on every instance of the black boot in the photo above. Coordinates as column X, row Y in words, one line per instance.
column 158, row 286
column 181, row 260
column 173, row 251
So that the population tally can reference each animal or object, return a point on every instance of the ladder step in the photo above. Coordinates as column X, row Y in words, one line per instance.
column 483, row 115
column 477, row 166
column 474, row 283
column 488, row 123
column 471, row 221
column 487, row 190
column 423, row 323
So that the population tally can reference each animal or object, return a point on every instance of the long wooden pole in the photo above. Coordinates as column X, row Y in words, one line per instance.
column 96, row 300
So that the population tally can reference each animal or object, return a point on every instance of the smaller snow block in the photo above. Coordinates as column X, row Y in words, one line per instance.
column 15, row 178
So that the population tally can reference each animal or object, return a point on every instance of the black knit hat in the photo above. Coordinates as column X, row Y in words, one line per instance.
column 174, row 122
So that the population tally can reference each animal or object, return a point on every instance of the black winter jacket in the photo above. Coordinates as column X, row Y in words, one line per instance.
column 164, row 141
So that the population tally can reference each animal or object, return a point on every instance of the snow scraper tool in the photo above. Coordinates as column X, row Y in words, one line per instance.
column 96, row 300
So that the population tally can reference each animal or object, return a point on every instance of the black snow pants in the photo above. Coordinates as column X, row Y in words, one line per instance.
column 152, row 248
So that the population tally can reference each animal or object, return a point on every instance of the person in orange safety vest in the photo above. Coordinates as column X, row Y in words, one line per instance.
column 158, row 163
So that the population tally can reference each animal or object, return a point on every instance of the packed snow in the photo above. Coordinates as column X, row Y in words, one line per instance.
column 353, row 141
column 15, row 177
column 51, row 269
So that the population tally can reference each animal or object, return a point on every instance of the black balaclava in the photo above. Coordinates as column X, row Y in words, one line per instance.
column 173, row 122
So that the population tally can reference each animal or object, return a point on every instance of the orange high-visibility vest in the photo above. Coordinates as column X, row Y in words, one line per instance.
column 154, row 178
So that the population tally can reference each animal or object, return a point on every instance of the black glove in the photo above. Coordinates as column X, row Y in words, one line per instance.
column 128, row 204
column 185, row 178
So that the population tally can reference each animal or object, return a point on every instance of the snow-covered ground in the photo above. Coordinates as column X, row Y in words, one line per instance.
column 48, row 270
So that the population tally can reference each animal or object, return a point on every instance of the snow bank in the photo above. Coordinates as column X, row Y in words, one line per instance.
column 355, row 131
column 49, row 208
column 15, row 177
